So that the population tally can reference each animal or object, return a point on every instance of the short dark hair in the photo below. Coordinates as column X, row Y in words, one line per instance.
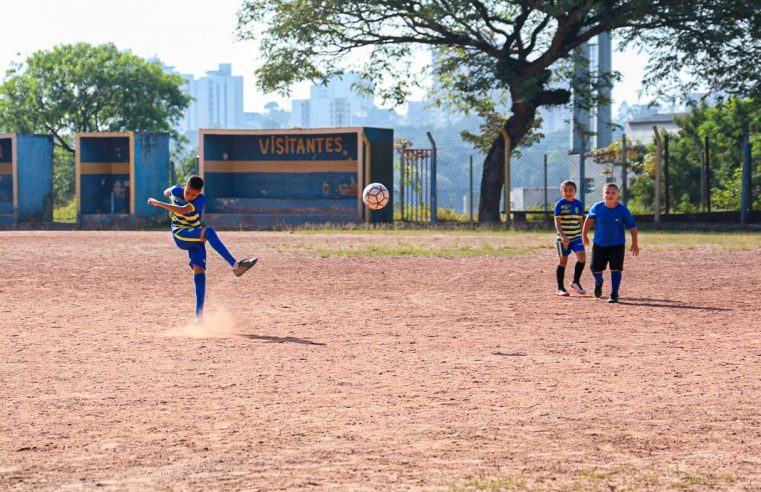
column 610, row 185
column 195, row 182
column 568, row 183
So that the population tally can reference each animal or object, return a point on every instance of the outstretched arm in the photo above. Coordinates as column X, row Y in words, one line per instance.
column 172, row 208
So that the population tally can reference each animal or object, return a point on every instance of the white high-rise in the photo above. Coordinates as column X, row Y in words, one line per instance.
column 334, row 105
column 217, row 100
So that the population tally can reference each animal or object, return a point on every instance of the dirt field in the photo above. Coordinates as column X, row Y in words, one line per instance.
column 332, row 367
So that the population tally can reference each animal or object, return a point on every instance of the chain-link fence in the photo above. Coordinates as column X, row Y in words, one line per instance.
column 708, row 177
column 536, row 174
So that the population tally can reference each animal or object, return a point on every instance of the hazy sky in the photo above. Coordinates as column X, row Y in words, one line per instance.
column 192, row 36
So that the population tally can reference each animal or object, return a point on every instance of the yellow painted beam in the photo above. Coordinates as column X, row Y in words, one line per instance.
column 104, row 167
column 348, row 166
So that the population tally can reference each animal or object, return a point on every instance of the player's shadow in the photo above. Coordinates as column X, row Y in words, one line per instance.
column 271, row 339
column 666, row 303
column 650, row 299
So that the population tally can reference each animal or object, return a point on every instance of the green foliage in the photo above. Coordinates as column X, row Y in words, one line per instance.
column 185, row 162
column 65, row 211
column 500, row 60
column 85, row 88
column 716, row 48
column 723, row 126
column 63, row 176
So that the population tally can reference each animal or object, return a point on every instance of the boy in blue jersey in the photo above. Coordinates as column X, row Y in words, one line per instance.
column 569, row 214
column 611, row 220
column 186, row 210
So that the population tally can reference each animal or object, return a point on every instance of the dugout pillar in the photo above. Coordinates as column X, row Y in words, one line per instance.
column 26, row 178
column 116, row 173
column 273, row 178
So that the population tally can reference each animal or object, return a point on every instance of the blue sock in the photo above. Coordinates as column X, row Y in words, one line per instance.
column 216, row 243
column 598, row 277
column 615, row 281
column 200, row 281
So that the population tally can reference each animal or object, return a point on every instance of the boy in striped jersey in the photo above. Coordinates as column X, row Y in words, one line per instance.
column 186, row 209
column 569, row 217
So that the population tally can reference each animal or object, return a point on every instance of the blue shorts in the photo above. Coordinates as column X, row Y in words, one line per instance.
column 190, row 240
column 575, row 245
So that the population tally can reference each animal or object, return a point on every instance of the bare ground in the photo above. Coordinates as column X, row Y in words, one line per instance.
column 366, row 373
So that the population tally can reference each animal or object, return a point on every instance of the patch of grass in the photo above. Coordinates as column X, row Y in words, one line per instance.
column 66, row 212
column 492, row 484
column 726, row 241
column 689, row 480
column 416, row 230
column 595, row 475
column 649, row 478
column 623, row 477
column 433, row 252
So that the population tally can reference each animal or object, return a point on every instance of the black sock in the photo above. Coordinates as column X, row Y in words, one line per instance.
column 578, row 271
column 561, row 276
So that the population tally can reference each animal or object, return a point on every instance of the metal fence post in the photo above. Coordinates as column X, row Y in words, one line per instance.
column 402, row 184
column 506, row 143
column 470, row 200
column 707, row 178
column 666, row 178
column 624, row 171
column 432, row 185
column 657, row 200
column 582, row 169
column 746, row 198
column 546, row 205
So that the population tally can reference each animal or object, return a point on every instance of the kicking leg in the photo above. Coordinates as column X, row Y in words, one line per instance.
column 239, row 267
column 210, row 235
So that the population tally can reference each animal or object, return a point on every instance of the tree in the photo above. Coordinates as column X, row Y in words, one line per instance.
column 521, row 49
column 723, row 126
column 86, row 88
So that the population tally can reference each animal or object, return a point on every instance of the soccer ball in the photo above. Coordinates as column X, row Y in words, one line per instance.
column 375, row 196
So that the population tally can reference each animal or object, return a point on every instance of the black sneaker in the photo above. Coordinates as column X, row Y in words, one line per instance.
column 613, row 299
column 243, row 266
column 598, row 290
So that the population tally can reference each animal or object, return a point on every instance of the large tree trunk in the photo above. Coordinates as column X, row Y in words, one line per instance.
column 493, row 178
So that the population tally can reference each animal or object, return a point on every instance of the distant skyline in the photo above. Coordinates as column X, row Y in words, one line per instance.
column 193, row 40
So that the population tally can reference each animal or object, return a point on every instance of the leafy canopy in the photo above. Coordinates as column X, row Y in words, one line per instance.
column 86, row 88
column 483, row 47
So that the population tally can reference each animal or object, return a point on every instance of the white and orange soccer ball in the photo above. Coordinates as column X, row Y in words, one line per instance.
column 375, row 196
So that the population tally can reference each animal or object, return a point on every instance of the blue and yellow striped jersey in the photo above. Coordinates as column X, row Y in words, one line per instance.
column 190, row 219
column 570, row 214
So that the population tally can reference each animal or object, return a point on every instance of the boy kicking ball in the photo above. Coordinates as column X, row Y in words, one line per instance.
column 611, row 219
column 569, row 215
column 186, row 209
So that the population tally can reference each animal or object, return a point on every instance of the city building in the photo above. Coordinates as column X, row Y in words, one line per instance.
column 641, row 129
column 217, row 100
column 336, row 104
